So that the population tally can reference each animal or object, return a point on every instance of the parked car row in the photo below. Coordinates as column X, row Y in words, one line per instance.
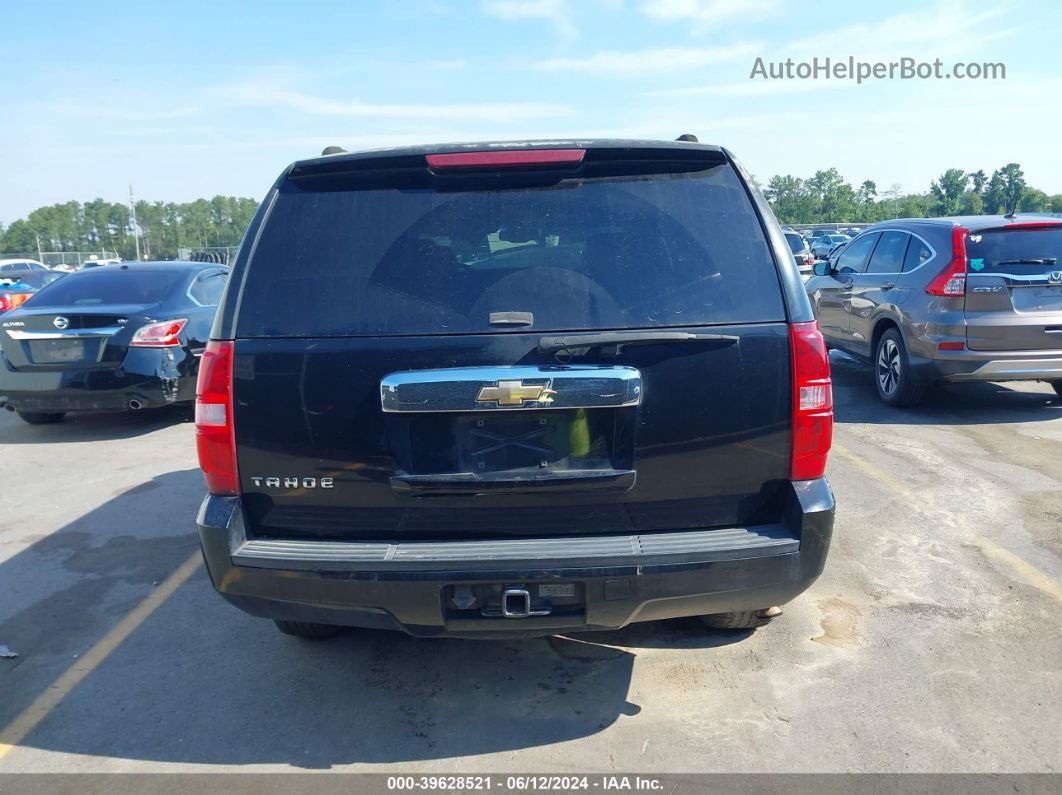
column 21, row 263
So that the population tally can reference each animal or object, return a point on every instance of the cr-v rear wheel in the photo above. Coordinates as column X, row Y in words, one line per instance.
column 893, row 376
column 305, row 629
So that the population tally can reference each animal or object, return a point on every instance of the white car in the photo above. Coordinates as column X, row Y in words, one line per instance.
column 96, row 262
column 19, row 264
column 823, row 245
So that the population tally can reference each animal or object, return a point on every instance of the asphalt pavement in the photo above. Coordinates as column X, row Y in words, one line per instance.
column 931, row 642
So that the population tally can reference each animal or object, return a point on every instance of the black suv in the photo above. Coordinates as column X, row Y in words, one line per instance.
column 496, row 389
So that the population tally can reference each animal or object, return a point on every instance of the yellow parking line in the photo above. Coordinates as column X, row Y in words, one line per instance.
column 868, row 468
column 1024, row 570
column 36, row 712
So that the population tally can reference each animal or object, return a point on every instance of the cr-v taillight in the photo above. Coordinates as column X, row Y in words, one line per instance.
column 952, row 280
column 812, row 401
column 214, row 436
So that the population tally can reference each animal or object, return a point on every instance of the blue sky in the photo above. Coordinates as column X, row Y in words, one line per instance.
column 192, row 99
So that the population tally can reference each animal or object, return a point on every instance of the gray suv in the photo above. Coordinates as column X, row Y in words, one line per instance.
column 930, row 300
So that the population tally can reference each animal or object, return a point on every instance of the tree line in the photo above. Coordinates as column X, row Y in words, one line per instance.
column 100, row 225
column 826, row 197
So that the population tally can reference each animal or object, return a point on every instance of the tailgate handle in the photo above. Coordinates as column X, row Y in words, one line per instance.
column 512, row 319
column 512, row 483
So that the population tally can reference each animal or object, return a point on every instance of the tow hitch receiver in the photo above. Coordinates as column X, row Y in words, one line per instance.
column 516, row 603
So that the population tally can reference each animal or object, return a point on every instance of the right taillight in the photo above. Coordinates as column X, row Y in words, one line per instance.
column 13, row 300
column 214, row 435
column 812, row 402
column 952, row 280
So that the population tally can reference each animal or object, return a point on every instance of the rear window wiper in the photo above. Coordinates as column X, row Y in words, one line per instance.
column 553, row 344
column 1029, row 261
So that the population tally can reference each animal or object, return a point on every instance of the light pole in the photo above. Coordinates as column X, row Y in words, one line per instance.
column 136, row 229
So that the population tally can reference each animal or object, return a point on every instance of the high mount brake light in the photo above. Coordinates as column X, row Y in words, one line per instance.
column 214, row 433
column 164, row 334
column 952, row 280
column 506, row 158
column 1025, row 225
column 812, row 402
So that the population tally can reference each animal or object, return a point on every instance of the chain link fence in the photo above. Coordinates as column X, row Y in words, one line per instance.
column 223, row 255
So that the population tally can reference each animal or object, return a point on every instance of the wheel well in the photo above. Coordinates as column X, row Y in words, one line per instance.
column 883, row 325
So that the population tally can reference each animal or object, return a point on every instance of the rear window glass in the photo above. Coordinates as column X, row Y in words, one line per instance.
column 34, row 279
column 917, row 253
column 101, row 287
column 796, row 242
column 1021, row 252
column 854, row 258
column 888, row 253
column 624, row 251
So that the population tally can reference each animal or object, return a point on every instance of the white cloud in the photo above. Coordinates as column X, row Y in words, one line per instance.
column 119, row 114
column 267, row 95
column 947, row 29
column 556, row 12
column 755, row 88
column 705, row 13
column 656, row 61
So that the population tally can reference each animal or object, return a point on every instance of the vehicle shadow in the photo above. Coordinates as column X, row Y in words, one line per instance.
column 976, row 403
column 91, row 427
column 200, row 682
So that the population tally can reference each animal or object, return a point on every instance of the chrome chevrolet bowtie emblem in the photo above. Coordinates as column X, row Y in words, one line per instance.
column 514, row 393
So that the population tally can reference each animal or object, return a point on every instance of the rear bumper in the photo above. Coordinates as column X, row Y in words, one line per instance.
column 617, row 579
column 147, row 375
column 970, row 365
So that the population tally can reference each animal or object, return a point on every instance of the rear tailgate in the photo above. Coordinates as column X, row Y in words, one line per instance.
column 1014, row 289
column 69, row 337
column 389, row 379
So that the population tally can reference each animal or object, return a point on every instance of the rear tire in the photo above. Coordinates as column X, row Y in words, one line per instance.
column 893, row 376
column 748, row 619
column 1057, row 386
column 305, row 629
column 41, row 417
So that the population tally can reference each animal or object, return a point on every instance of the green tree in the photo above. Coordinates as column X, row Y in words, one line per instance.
column 1034, row 201
column 994, row 198
column 972, row 203
column 790, row 200
column 978, row 180
column 947, row 191
column 1013, row 181
column 834, row 196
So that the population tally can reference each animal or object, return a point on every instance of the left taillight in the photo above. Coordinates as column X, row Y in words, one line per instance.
column 812, row 412
column 214, row 431
column 164, row 334
column 952, row 280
